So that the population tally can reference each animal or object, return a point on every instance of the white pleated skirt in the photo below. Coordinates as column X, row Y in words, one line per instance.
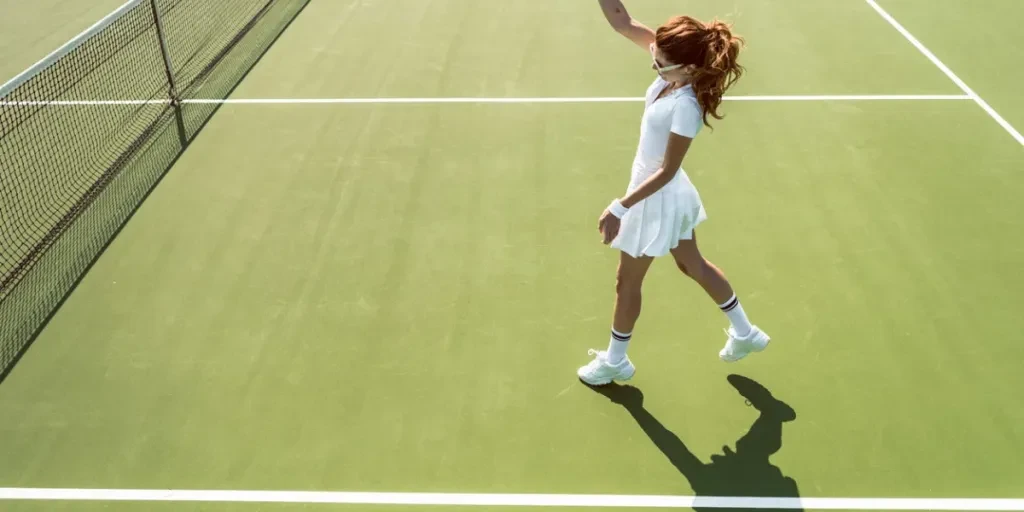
column 655, row 225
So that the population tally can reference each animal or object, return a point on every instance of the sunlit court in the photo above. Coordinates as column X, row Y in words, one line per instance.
column 344, row 255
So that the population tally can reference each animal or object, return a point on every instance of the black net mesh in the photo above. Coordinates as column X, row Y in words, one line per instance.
column 84, row 139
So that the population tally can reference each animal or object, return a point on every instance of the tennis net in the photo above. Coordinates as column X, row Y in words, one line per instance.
column 87, row 132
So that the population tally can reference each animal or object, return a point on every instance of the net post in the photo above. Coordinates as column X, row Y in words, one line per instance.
column 168, row 67
column 172, row 91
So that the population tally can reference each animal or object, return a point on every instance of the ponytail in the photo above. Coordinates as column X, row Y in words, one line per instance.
column 711, row 50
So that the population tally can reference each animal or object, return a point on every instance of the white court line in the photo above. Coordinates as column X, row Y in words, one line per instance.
column 81, row 103
column 949, row 73
column 853, row 97
column 523, row 500
column 612, row 99
column 880, row 97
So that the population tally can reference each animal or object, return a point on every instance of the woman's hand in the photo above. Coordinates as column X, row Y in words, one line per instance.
column 608, row 225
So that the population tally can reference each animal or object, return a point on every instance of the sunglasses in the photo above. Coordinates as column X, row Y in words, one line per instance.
column 658, row 66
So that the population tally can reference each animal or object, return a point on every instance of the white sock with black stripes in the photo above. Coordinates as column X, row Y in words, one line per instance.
column 737, row 317
column 617, row 346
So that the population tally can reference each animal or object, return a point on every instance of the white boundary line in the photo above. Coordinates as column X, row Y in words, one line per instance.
column 68, row 103
column 853, row 97
column 571, row 99
column 612, row 99
column 523, row 500
column 949, row 73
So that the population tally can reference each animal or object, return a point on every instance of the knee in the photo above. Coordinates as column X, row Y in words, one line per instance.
column 696, row 270
column 626, row 285
column 682, row 267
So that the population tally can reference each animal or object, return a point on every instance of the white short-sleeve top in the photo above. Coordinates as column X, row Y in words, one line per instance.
column 677, row 112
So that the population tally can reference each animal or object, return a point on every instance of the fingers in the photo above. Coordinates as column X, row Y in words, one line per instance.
column 608, row 226
column 610, row 230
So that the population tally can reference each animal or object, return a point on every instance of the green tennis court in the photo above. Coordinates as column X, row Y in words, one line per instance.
column 368, row 281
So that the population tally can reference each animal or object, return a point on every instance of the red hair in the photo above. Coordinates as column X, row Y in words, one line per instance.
column 713, row 51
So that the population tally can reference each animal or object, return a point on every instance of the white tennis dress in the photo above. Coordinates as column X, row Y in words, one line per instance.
column 655, row 225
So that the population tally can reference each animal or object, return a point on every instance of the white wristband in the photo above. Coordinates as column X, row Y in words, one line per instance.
column 617, row 209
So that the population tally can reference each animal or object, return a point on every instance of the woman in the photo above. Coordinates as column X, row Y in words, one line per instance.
column 696, row 63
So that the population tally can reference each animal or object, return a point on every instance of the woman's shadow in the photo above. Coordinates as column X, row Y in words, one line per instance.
column 745, row 472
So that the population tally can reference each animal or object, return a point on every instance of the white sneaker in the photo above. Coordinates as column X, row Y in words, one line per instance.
column 600, row 372
column 737, row 348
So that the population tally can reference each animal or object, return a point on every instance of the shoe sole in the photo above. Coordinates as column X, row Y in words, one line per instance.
column 604, row 382
column 746, row 353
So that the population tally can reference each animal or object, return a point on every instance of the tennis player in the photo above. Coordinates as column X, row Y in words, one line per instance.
column 695, row 64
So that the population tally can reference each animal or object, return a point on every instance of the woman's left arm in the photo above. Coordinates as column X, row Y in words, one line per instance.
column 675, row 151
